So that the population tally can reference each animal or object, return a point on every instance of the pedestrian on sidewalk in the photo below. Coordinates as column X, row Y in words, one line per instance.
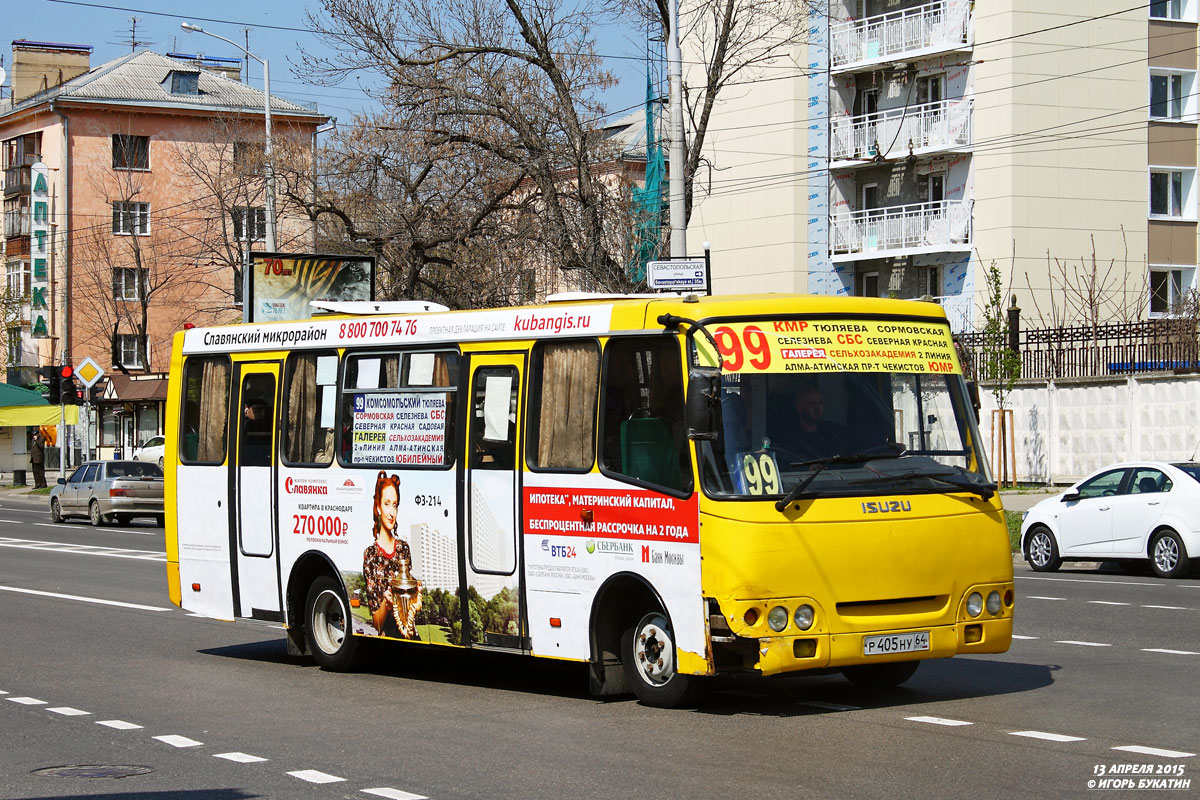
column 37, row 459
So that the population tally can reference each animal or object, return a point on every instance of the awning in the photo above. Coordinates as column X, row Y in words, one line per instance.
column 37, row 415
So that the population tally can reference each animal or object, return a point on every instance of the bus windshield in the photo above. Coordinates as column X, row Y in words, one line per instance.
column 854, row 430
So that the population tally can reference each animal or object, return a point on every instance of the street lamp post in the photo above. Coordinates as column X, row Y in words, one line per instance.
column 247, row 225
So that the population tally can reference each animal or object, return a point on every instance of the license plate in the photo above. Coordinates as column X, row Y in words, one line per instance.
column 895, row 643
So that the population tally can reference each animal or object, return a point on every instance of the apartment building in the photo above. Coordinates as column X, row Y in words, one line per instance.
column 131, row 191
column 911, row 145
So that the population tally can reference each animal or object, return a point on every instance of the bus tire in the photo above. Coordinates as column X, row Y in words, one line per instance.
column 881, row 676
column 327, row 628
column 648, row 657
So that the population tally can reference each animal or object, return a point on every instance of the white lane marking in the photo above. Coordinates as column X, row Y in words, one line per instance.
column 829, row 706
column 1169, row 608
column 313, row 776
column 1107, row 603
column 1082, row 644
column 1086, row 580
column 67, row 711
column 241, row 758
column 394, row 794
column 1153, row 751
column 178, row 741
column 61, row 525
column 1170, row 652
column 119, row 724
column 1041, row 597
column 939, row 721
column 1049, row 737
column 3, row 692
column 82, row 599
column 82, row 549
column 26, row 701
column 1015, row 636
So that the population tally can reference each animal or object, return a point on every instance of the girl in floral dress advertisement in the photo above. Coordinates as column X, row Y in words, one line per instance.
column 393, row 595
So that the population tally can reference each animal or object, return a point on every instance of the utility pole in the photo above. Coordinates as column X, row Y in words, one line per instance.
column 676, row 156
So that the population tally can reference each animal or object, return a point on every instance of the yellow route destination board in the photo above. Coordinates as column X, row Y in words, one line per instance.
column 831, row 345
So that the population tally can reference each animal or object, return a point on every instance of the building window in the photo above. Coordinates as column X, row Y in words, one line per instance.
column 185, row 82
column 131, row 218
column 14, row 346
column 126, row 351
column 1179, row 10
column 126, row 285
column 1172, row 192
column 249, row 154
column 1173, row 95
column 130, row 152
column 1167, row 288
column 868, row 284
column 252, row 219
column 18, row 279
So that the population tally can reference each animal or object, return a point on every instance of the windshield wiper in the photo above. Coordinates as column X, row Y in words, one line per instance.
column 891, row 450
column 984, row 490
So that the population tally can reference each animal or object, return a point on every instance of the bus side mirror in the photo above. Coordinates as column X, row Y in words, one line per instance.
column 703, row 402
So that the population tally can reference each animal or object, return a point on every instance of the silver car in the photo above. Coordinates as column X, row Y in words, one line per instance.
column 110, row 491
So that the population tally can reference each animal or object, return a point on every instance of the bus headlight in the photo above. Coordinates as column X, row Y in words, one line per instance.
column 993, row 603
column 777, row 618
column 975, row 604
column 804, row 617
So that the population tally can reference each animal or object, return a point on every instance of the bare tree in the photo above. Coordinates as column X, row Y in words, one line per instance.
column 490, row 106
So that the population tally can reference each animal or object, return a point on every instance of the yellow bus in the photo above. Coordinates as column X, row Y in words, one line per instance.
column 664, row 487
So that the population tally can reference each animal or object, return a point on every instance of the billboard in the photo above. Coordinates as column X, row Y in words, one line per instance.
column 282, row 285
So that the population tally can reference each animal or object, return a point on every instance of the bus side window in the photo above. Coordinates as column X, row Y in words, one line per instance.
column 562, row 417
column 204, row 433
column 309, row 391
column 643, row 430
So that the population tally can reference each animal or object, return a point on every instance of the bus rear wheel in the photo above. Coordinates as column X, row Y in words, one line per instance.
column 881, row 676
column 327, row 629
column 648, row 657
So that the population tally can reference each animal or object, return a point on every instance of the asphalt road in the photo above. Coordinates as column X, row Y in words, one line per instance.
column 97, row 668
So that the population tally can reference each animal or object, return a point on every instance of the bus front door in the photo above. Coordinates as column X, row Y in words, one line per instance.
column 251, row 483
column 491, row 488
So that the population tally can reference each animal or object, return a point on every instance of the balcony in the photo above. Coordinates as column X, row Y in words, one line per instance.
column 902, row 230
column 16, row 181
column 910, row 33
column 928, row 128
column 16, row 223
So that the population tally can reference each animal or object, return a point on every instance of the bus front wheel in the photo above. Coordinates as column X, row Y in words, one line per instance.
column 881, row 676
column 327, row 628
column 648, row 656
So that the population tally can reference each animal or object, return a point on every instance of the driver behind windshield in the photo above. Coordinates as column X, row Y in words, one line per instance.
column 810, row 434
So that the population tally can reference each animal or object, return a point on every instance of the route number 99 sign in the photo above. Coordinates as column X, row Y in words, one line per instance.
column 757, row 473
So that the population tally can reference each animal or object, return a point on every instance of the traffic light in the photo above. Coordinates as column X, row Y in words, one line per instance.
column 50, row 374
column 66, row 385
column 95, row 394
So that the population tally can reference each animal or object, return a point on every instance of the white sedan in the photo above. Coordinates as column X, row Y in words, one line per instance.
column 1137, row 510
column 151, row 450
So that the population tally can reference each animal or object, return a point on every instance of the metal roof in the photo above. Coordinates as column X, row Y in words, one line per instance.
column 138, row 80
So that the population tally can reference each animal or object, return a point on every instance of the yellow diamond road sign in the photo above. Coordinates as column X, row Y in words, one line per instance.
column 89, row 372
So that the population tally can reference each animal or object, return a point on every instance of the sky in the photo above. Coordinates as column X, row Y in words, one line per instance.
column 276, row 34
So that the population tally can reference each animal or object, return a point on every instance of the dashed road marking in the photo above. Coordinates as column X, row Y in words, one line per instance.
column 178, row 741
column 26, row 701
column 1169, row 608
column 119, row 724
column 1106, row 603
column 394, row 794
column 83, row 599
column 1082, row 644
column 67, row 711
column 1170, row 652
column 1024, row 638
column 939, row 721
column 1153, row 751
column 241, row 758
column 1041, row 597
column 1049, row 737
column 315, row 776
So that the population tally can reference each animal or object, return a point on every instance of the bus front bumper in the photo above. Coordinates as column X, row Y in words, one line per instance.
column 780, row 654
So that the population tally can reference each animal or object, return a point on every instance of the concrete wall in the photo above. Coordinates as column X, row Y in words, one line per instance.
column 1069, row 428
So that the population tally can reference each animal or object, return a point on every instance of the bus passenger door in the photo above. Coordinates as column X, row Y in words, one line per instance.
column 492, row 555
column 252, row 487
